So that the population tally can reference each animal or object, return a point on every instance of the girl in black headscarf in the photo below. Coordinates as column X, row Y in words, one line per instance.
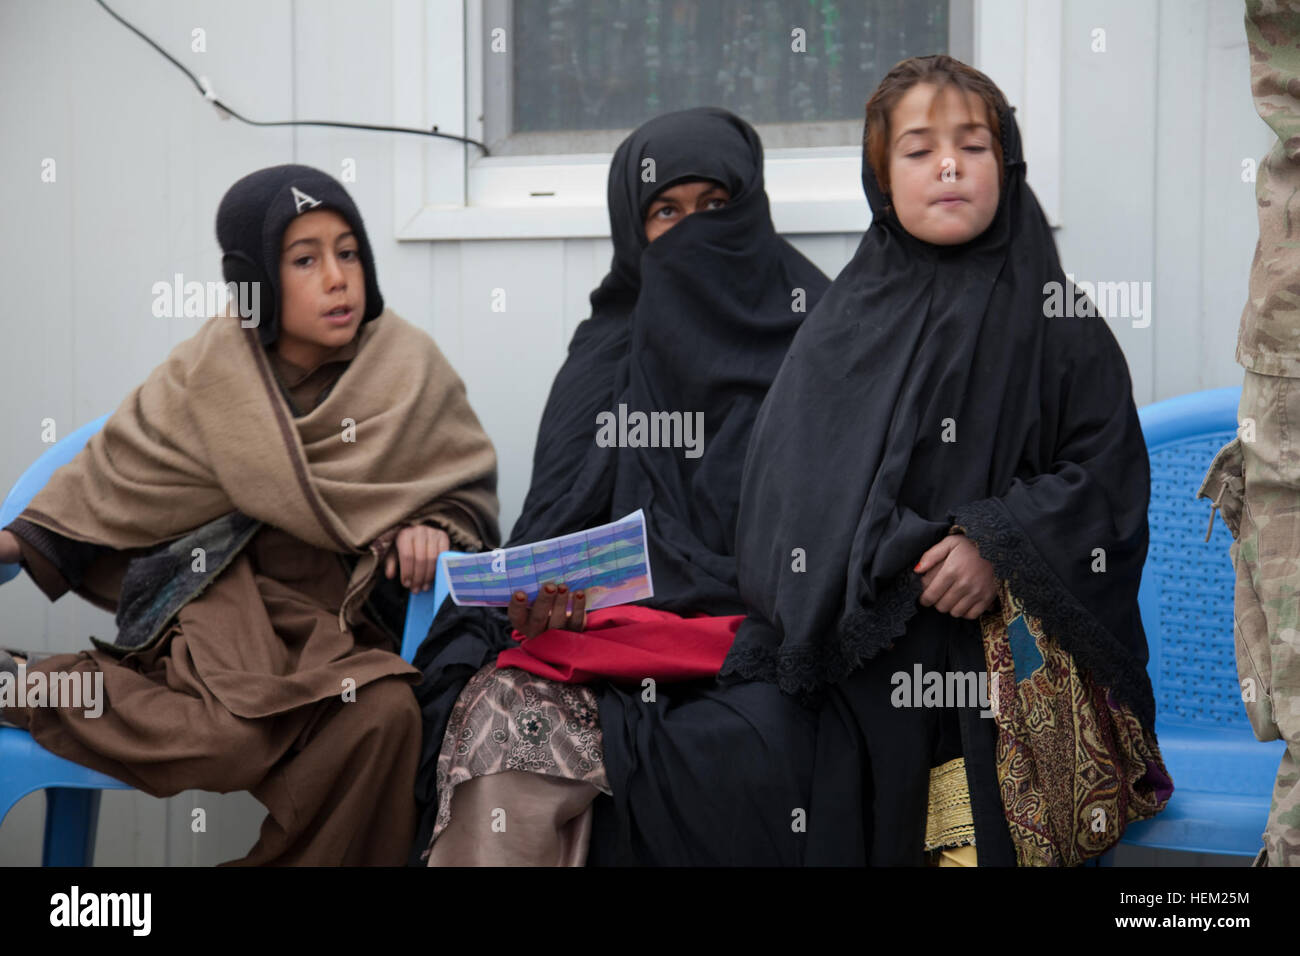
column 697, row 319
column 946, row 450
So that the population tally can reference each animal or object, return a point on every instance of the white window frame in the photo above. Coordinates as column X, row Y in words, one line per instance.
column 446, row 190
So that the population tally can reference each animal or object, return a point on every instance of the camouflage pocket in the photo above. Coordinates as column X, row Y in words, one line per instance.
column 1224, row 486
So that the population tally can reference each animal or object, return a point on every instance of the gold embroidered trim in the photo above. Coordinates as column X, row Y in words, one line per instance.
column 949, row 821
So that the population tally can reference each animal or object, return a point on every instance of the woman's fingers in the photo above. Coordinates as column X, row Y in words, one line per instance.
column 578, row 619
column 540, row 616
column 550, row 609
column 390, row 563
column 560, row 609
column 518, row 611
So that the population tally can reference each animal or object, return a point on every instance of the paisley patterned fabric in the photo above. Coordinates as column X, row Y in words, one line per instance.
column 1074, row 767
column 508, row 719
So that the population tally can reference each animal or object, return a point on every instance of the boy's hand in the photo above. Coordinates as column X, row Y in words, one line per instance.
column 957, row 580
column 9, row 550
column 417, row 549
column 548, row 610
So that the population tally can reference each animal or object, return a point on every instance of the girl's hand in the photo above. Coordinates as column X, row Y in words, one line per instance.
column 10, row 553
column 957, row 580
column 416, row 549
column 548, row 610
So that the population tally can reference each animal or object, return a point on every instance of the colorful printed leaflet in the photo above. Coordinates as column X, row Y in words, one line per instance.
column 609, row 563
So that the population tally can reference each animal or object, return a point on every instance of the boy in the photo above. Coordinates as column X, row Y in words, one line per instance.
column 235, row 512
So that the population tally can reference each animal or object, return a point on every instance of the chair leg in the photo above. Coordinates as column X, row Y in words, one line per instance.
column 71, row 821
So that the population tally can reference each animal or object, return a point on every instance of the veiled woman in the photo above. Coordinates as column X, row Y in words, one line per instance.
column 695, row 317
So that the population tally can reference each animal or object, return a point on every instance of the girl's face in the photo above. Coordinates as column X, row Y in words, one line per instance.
column 322, row 287
column 673, row 205
column 944, row 177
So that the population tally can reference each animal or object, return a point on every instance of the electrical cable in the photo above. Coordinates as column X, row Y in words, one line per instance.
column 205, row 88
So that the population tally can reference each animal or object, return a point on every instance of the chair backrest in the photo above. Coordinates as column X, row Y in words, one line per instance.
column 1187, row 583
column 38, row 473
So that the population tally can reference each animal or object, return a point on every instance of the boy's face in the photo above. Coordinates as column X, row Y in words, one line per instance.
column 673, row 205
column 322, row 287
column 944, row 177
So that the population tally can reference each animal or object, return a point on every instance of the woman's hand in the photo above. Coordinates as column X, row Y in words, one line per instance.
column 957, row 580
column 549, row 610
column 9, row 550
column 416, row 549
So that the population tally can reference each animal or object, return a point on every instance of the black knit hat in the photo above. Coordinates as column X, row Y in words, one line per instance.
column 251, row 221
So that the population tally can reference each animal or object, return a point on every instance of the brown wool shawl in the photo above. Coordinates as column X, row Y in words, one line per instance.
column 210, row 432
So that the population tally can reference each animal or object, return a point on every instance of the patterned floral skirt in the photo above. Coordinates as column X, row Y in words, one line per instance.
column 509, row 719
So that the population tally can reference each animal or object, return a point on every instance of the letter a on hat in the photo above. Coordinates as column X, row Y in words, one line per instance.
column 301, row 199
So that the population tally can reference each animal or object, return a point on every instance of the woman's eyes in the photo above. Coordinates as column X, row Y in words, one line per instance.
column 668, row 212
column 975, row 149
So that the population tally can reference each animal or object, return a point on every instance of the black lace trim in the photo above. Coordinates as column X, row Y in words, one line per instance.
column 1015, row 560
column 805, row 671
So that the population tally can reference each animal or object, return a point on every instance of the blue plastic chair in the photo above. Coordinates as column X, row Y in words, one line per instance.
column 421, row 608
column 72, row 792
column 1223, row 776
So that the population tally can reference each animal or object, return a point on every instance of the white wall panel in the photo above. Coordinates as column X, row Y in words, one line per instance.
column 1153, row 133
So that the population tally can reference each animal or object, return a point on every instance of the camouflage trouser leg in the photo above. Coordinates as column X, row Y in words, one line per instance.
column 1282, row 836
column 1267, row 559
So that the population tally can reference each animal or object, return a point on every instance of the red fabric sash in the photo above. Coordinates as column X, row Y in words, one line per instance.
column 629, row 643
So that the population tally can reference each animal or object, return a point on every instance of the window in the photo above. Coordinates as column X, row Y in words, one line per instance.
column 553, row 85
column 575, row 76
